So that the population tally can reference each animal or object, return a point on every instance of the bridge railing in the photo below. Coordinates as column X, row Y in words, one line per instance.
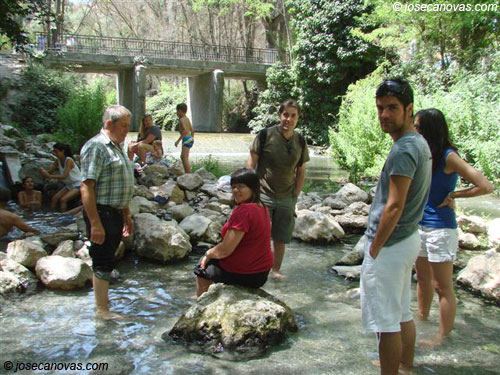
column 154, row 48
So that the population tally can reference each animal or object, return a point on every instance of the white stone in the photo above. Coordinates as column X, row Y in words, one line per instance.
column 315, row 226
column 56, row 272
column 25, row 252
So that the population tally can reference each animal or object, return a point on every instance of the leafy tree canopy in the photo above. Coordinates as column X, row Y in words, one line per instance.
column 15, row 13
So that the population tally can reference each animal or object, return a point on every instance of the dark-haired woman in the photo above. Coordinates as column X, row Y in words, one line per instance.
column 148, row 133
column 244, row 256
column 438, row 228
column 69, row 173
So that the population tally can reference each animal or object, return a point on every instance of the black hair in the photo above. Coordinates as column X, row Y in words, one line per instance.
column 5, row 195
column 64, row 148
column 182, row 106
column 398, row 88
column 249, row 178
column 287, row 104
column 433, row 127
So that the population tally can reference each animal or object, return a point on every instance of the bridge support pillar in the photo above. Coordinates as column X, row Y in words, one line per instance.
column 131, row 92
column 205, row 98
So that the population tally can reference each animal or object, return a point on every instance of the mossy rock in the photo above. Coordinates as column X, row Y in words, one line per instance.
column 236, row 319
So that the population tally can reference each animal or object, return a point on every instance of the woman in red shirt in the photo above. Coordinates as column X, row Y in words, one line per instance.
column 244, row 256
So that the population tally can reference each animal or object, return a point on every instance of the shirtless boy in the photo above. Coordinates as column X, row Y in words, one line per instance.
column 186, row 135
column 8, row 220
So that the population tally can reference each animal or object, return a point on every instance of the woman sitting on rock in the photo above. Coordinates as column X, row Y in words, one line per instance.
column 244, row 256
column 69, row 173
column 438, row 228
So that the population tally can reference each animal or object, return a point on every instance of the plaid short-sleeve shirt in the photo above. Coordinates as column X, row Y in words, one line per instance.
column 110, row 168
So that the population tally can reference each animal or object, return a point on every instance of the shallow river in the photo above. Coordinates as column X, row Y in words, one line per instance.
column 57, row 326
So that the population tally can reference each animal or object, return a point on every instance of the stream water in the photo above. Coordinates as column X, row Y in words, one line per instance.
column 59, row 327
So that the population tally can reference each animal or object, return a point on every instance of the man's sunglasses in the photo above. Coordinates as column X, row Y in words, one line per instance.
column 391, row 87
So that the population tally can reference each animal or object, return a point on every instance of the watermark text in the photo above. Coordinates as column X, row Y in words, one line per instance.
column 444, row 7
column 54, row 366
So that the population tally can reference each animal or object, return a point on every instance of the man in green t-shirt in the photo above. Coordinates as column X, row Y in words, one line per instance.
column 280, row 164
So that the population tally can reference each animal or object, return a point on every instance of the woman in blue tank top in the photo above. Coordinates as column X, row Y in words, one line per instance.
column 438, row 228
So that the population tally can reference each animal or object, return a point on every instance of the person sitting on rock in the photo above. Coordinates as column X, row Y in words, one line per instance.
column 69, row 173
column 244, row 256
column 8, row 220
column 29, row 198
column 148, row 133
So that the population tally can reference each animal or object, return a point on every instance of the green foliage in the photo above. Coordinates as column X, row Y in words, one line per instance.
column 212, row 165
column 439, row 36
column 328, row 57
column 320, row 186
column 280, row 82
column 13, row 16
column 237, row 105
column 162, row 105
column 43, row 92
column 358, row 145
column 469, row 100
column 80, row 118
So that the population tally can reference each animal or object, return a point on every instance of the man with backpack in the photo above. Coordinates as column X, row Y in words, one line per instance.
column 279, row 155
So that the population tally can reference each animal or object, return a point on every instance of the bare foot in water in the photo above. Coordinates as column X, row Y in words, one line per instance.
column 108, row 315
column 436, row 341
column 402, row 369
column 276, row 275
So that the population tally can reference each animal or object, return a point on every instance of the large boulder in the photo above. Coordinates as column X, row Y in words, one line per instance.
column 146, row 205
column 143, row 191
column 349, row 194
column 181, row 211
column 206, row 175
column 65, row 249
column 227, row 317
column 482, row 275
column 316, row 227
column 25, row 252
column 472, row 224
column 57, row 272
column 10, row 283
column 195, row 226
column 190, row 181
column 352, row 223
column 159, row 240
column 54, row 239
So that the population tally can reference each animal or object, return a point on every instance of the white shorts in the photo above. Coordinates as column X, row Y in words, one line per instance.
column 439, row 245
column 385, row 285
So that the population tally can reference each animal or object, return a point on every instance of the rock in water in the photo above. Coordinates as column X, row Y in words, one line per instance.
column 234, row 318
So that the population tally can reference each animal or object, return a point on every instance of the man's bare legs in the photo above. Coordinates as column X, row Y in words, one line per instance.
column 397, row 348
column 202, row 285
column 279, row 253
column 101, row 288
column 185, row 159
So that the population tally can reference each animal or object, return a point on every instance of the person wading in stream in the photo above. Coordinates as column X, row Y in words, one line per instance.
column 392, row 235
column 107, row 189
column 280, row 155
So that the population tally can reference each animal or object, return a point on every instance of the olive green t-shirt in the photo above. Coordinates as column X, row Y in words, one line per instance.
column 277, row 166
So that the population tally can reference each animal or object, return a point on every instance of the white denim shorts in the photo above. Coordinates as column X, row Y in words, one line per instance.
column 385, row 285
column 438, row 244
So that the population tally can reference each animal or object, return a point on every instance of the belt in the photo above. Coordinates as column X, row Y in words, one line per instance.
column 106, row 208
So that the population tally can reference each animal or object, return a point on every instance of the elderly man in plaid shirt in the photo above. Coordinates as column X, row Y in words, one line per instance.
column 108, row 184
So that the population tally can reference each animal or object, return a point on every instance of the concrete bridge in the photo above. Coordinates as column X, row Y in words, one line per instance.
column 204, row 66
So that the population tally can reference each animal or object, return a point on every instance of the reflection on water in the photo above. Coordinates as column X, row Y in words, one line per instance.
column 45, row 221
column 59, row 326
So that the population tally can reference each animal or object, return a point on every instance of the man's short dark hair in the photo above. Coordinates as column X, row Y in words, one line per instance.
column 287, row 104
column 398, row 88
column 5, row 195
column 183, row 107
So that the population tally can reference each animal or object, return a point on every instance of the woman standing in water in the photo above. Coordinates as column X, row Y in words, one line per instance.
column 438, row 228
column 69, row 173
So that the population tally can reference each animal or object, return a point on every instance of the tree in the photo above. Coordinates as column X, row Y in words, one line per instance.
column 15, row 13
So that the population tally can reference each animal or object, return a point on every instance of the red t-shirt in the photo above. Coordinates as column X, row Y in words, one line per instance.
column 253, row 254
